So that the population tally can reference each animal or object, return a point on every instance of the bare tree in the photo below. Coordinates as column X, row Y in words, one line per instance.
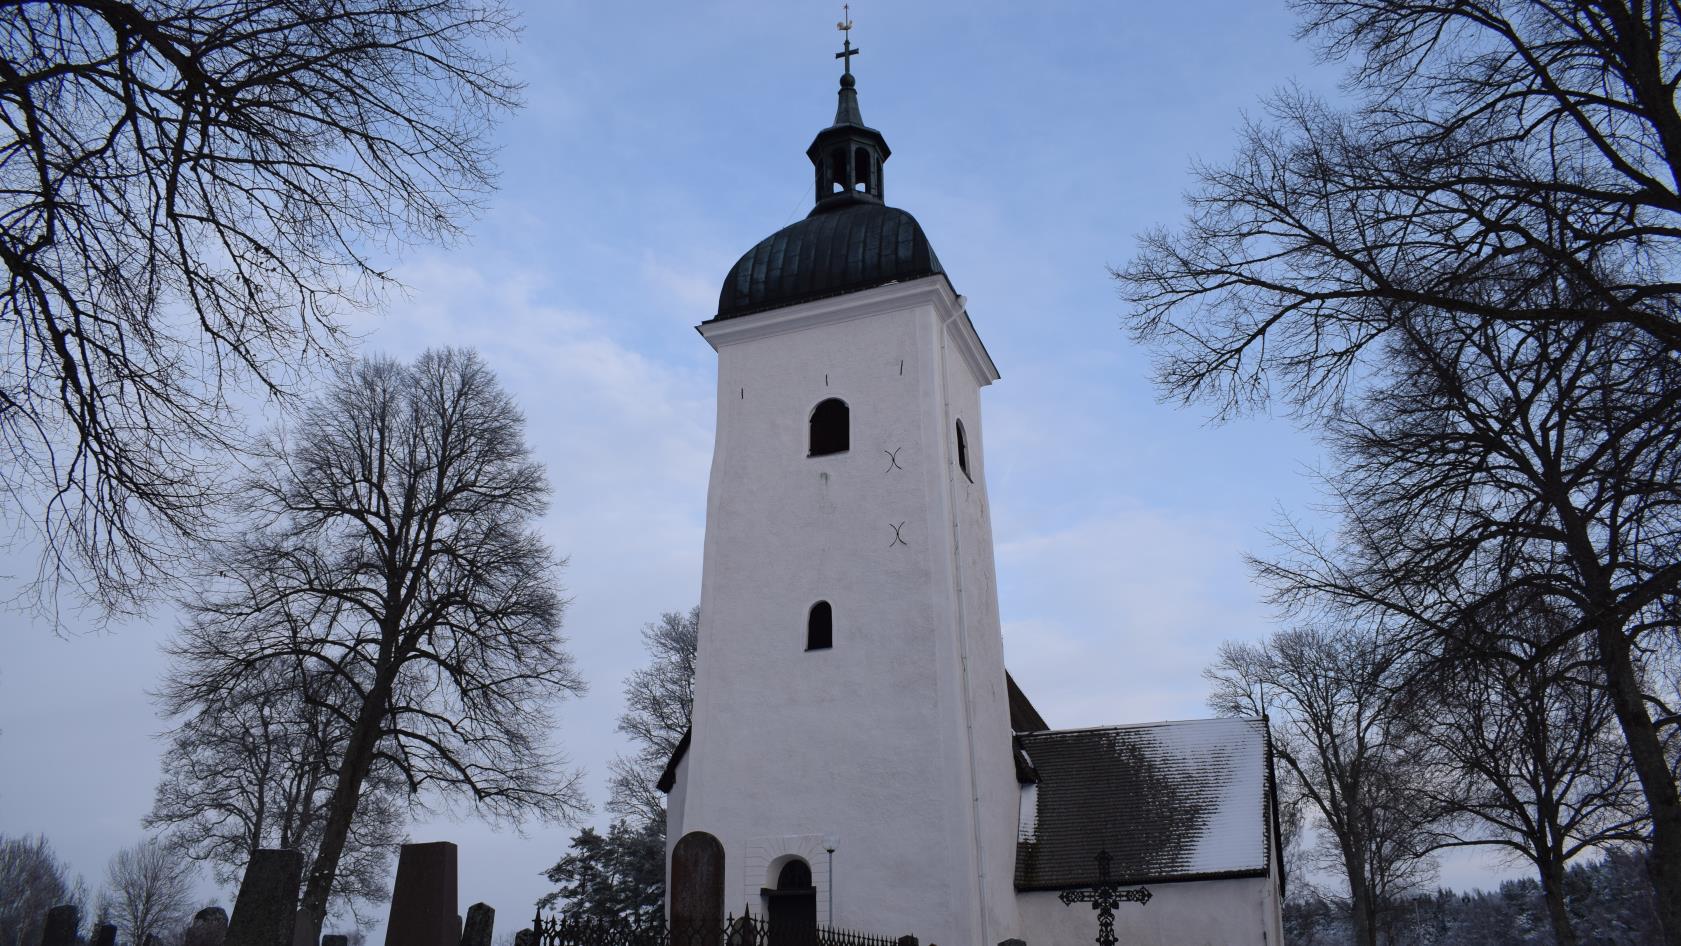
column 620, row 875
column 32, row 881
column 658, row 701
column 258, row 770
column 393, row 550
column 1498, row 467
column 193, row 189
column 1527, row 752
column 1479, row 255
column 1499, row 149
column 150, row 889
column 1337, row 713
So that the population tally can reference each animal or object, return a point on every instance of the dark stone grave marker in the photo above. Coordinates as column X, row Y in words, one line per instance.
column 104, row 934
column 209, row 928
column 697, row 884
column 423, row 898
column 481, row 917
column 267, row 906
column 335, row 939
column 60, row 929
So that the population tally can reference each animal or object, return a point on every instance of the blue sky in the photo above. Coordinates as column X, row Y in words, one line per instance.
column 1034, row 142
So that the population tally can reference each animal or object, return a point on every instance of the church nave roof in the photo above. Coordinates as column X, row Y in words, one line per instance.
column 1172, row 801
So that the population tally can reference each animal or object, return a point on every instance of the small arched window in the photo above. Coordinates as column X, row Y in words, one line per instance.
column 861, row 169
column 837, row 160
column 820, row 627
column 794, row 876
column 963, row 452
column 830, row 423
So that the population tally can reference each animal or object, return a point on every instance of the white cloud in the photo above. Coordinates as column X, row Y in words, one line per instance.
column 1111, row 618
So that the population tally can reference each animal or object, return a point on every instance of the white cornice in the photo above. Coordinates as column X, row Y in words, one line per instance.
column 932, row 291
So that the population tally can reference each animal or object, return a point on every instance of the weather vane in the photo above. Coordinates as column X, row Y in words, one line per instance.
column 845, row 26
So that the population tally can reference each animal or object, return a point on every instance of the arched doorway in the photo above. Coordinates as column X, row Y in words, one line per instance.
column 791, row 906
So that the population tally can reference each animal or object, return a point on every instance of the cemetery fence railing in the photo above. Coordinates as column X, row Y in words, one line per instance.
column 562, row 930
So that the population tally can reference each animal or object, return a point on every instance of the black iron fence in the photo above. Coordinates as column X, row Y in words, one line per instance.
column 745, row 931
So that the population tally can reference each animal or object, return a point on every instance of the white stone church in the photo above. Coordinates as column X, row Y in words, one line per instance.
column 858, row 755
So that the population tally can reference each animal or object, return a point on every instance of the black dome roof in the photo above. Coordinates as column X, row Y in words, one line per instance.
column 843, row 246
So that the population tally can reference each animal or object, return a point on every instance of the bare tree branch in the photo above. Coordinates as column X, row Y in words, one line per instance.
column 190, row 193
column 258, row 769
column 1338, row 713
column 1526, row 752
column 658, row 701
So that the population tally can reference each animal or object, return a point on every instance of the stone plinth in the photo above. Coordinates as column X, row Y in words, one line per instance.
column 209, row 928
column 423, row 898
column 267, row 906
column 697, row 885
column 60, row 928
column 481, row 918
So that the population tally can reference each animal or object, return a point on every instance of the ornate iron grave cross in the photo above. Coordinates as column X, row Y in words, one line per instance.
column 1104, row 898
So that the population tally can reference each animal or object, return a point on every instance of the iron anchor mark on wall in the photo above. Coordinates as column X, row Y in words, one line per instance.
column 898, row 537
column 892, row 460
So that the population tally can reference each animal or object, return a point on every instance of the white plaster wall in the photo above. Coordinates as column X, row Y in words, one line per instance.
column 1272, row 904
column 871, row 740
column 1239, row 912
column 981, row 646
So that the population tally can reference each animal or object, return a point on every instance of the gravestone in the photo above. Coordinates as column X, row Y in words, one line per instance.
column 525, row 938
column 1013, row 942
column 745, row 932
column 697, row 884
column 60, row 928
column 209, row 928
column 152, row 940
column 266, row 909
column 423, row 897
column 104, row 934
column 335, row 939
column 481, row 917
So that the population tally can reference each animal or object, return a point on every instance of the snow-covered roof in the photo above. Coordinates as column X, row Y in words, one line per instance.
column 1169, row 801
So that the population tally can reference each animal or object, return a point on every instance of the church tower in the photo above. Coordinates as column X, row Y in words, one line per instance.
column 850, row 746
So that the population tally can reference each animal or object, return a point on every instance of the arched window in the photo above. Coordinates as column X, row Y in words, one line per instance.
column 861, row 169
column 837, row 160
column 830, row 422
column 963, row 452
column 820, row 627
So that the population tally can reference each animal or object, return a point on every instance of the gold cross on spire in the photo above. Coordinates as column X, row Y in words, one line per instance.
column 845, row 26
